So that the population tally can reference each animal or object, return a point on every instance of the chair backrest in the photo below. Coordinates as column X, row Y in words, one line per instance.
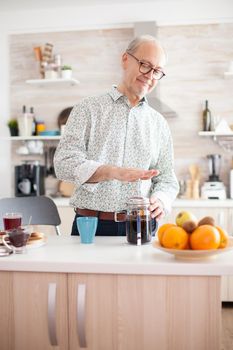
column 41, row 209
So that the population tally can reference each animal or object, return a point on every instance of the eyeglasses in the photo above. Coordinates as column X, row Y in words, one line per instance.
column 146, row 68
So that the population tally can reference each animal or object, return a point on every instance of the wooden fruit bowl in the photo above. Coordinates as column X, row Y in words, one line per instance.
column 194, row 254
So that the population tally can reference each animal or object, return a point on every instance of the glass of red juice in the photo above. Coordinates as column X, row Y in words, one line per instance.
column 12, row 220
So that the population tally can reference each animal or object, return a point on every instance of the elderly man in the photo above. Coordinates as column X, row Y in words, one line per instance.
column 114, row 140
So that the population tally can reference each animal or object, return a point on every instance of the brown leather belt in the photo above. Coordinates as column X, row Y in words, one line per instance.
column 102, row 215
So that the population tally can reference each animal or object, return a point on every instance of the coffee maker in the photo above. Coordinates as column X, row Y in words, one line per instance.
column 29, row 179
column 213, row 188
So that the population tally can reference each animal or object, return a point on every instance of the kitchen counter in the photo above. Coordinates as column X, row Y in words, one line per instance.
column 111, row 255
column 140, row 286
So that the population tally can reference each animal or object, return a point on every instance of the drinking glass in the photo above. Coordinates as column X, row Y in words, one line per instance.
column 12, row 220
column 16, row 239
column 87, row 228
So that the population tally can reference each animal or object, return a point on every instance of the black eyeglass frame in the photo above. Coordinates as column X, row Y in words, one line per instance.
column 140, row 63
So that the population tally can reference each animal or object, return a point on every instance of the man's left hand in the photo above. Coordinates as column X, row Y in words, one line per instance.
column 156, row 208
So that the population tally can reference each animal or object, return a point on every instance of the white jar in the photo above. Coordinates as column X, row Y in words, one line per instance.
column 51, row 74
column 66, row 74
column 25, row 124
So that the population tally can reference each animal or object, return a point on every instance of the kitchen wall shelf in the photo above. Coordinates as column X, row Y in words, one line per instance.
column 224, row 140
column 51, row 82
column 215, row 134
column 27, row 138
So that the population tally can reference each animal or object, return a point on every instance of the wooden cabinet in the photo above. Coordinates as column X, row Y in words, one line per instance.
column 35, row 308
column 95, row 311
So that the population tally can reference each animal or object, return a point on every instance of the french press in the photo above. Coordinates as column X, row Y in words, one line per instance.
column 138, row 220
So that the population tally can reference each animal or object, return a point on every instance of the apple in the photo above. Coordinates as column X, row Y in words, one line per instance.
column 184, row 216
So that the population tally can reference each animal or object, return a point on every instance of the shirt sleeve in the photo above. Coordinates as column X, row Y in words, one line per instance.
column 165, row 186
column 70, row 161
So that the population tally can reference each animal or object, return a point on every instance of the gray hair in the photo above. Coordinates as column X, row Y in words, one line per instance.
column 137, row 41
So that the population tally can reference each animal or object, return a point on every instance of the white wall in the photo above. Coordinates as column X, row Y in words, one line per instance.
column 101, row 16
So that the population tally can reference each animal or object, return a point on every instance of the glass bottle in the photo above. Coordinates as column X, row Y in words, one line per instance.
column 33, row 121
column 206, row 117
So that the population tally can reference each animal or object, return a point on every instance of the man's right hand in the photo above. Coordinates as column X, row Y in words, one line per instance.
column 133, row 174
column 107, row 173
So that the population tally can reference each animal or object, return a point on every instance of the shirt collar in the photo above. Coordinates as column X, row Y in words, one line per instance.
column 116, row 94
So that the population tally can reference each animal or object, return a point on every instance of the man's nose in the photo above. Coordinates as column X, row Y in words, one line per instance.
column 150, row 74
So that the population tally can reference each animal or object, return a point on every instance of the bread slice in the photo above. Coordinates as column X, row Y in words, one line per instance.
column 35, row 236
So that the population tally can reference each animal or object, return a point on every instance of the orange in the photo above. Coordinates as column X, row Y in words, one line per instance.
column 175, row 237
column 161, row 231
column 205, row 237
column 224, row 237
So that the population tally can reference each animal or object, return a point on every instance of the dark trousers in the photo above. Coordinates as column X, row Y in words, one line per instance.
column 109, row 228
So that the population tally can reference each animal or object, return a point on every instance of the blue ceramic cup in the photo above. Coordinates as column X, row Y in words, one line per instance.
column 87, row 226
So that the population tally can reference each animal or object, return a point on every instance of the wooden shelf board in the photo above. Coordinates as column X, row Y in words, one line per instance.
column 213, row 133
column 27, row 138
column 59, row 81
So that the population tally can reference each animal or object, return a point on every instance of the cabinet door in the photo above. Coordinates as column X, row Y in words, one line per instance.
column 92, row 312
column 40, row 311
column 169, row 312
column 6, row 311
column 125, row 312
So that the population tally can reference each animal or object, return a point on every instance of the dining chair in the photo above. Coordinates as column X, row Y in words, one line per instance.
column 39, row 210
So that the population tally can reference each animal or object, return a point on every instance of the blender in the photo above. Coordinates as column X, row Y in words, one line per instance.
column 213, row 188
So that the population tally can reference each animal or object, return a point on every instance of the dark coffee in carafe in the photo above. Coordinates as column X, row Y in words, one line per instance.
column 139, row 224
column 145, row 228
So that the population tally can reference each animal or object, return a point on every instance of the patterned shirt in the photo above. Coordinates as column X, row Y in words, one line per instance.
column 107, row 130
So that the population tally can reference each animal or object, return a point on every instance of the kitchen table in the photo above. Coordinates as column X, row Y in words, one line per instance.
column 110, row 295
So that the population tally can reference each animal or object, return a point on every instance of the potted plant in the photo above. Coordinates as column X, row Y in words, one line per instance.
column 66, row 72
column 13, row 127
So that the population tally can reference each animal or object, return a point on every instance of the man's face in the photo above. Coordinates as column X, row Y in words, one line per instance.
column 139, row 84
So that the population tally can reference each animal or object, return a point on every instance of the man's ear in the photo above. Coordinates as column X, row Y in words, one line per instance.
column 124, row 60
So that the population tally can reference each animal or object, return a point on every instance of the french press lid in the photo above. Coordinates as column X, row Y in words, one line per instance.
column 137, row 202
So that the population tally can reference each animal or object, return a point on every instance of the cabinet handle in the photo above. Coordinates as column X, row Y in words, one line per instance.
column 52, row 313
column 81, row 310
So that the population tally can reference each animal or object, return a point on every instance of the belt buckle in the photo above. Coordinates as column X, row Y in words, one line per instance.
column 122, row 213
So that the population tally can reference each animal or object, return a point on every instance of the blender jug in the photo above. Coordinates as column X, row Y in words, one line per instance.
column 214, row 166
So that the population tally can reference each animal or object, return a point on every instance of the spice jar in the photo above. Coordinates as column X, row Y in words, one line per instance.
column 40, row 127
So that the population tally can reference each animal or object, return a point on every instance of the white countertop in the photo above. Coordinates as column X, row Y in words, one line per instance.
column 193, row 203
column 111, row 255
